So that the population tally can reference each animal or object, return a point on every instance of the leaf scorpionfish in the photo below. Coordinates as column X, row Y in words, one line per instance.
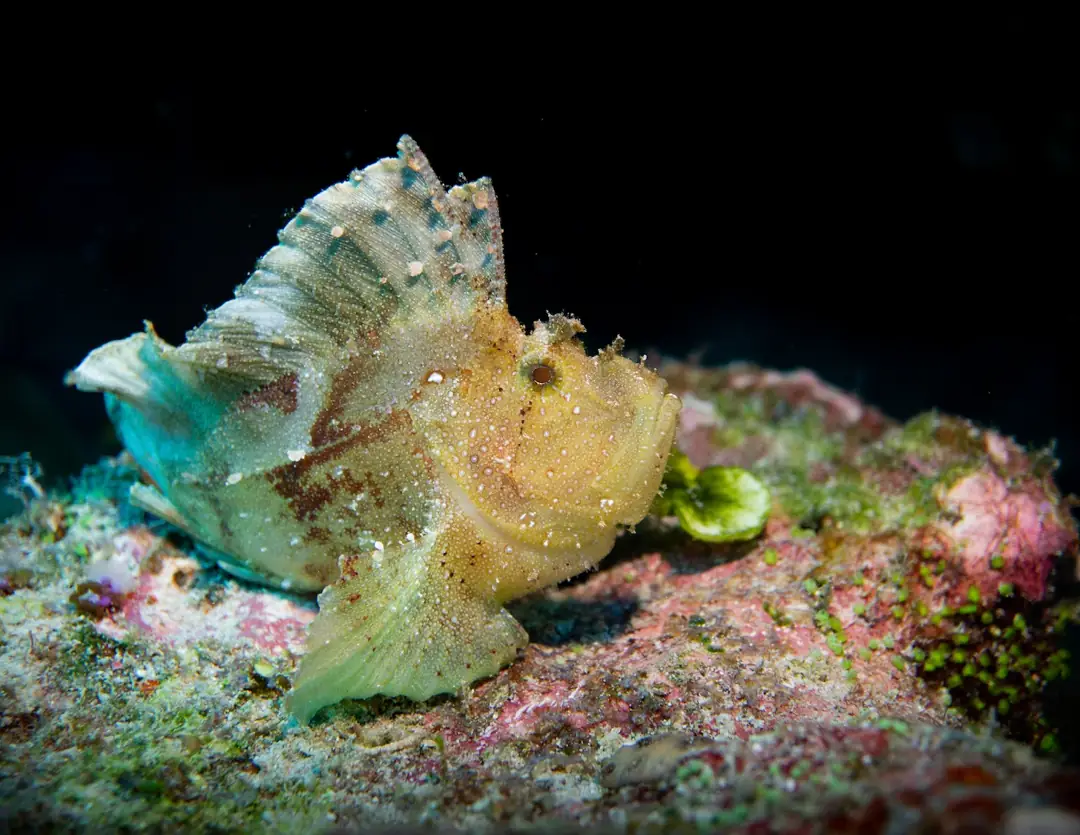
column 366, row 419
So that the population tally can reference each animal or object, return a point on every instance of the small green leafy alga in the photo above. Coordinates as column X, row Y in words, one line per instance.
column 717, row 504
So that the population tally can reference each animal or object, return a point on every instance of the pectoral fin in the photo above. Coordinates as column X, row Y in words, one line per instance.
column 400, row 624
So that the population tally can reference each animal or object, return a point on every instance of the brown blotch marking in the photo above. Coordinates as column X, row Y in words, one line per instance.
column 352, row 598
column 353, row 485
column 280, row 393
column 322, row 573
column 222, row 515
column 328, row 426
column 317, row 534
column 348, row 566
column 305, row 501
column 290, row 480
column 429, row 462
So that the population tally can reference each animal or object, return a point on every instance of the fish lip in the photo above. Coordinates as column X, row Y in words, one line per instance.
column 666, row 418
column 665, row 422
column 669, row 402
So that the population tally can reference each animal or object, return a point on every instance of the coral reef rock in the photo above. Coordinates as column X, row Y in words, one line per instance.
column 877, row 660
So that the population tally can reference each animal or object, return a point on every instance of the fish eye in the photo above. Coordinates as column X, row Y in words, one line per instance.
column 542, row 375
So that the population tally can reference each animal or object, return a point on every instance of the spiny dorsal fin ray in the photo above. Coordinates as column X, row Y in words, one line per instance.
column 474, row 207
column 389, row 241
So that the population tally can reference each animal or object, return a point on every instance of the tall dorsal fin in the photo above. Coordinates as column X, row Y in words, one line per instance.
column 387, row 244
column 389, row 241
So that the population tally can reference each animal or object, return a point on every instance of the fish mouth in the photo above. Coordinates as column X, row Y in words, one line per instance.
column 667, row 417
column 665, row 425
column 644, row 471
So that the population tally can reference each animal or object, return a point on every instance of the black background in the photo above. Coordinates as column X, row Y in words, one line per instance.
column 920, row 256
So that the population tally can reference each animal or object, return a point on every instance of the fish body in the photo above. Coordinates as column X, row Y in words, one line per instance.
column 366, row 418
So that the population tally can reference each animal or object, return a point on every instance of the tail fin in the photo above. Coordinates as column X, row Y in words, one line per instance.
column 161, row 407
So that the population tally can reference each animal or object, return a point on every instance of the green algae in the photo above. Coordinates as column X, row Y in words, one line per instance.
column 813, row 476
column 995, row 663
column 992, row 661
column 147, row 739
column 726, row 504
column 717, row 504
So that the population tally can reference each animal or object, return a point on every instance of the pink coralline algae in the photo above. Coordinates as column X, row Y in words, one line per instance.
column 161, row 605
column 1017, row 524
column 878, row 660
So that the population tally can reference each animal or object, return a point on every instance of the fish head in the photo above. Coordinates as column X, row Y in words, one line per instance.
column 596, row 431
